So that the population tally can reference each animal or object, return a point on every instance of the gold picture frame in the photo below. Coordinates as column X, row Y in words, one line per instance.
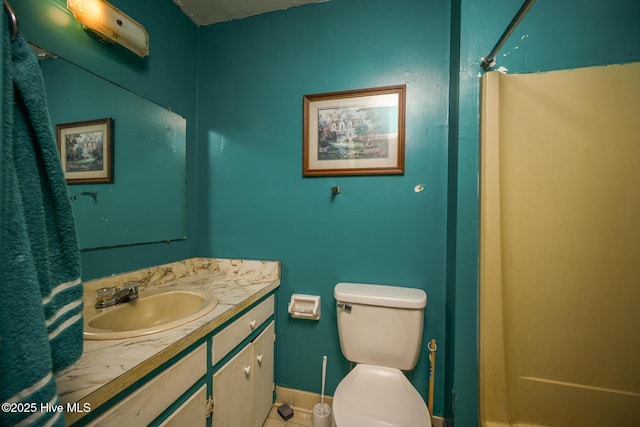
column 86, row 151
column 355, row 132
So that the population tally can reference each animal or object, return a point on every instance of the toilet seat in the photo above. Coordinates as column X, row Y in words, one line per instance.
column 377, row 396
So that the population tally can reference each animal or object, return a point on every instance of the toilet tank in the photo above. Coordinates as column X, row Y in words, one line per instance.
column 379, row 324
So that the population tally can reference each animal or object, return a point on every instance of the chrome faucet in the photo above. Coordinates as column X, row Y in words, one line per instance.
column 106, row 297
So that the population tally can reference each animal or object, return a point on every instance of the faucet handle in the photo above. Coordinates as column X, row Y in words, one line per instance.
column 133, row 291
column 105, row 294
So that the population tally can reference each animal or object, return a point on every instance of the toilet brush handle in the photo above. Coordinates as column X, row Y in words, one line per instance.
column 324, row 376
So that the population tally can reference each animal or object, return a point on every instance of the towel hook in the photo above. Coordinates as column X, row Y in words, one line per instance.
column 13, row 19
column 93, row 194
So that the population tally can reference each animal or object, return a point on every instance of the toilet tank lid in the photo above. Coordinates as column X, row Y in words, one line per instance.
column 380, row 295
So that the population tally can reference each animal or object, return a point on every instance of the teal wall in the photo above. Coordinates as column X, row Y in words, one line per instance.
column 255, row 202
column 553, row 35
column 168, row 76
column 240, row 86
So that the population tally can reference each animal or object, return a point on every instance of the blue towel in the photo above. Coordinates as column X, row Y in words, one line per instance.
column 40, row 288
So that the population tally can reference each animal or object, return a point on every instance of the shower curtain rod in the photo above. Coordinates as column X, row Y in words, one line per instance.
column 490, row 59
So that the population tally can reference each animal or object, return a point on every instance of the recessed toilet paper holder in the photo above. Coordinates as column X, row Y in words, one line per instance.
column 305, row 306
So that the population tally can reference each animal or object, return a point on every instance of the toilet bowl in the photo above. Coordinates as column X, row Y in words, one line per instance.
column 376, row 396
column 380, row 329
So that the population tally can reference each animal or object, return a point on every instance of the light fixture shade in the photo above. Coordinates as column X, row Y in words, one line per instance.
column 108, row 22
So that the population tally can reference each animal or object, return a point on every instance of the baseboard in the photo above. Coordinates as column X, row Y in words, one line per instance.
column 299, row 399
column 438, row 422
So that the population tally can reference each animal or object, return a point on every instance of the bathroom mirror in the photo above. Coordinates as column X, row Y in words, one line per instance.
column 146, row 200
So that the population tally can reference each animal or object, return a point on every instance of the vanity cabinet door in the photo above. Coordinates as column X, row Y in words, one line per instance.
column 243, row 387
column 263, row 375
column 192, row 413
column 232, row 391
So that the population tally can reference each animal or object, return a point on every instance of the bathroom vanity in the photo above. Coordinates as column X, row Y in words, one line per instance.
column 215, row 370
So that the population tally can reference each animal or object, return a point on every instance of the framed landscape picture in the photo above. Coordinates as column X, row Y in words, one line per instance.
column 86, row 151
column 354, row 132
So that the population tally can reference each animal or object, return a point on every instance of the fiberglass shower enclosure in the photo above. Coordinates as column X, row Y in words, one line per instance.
column 560, row 248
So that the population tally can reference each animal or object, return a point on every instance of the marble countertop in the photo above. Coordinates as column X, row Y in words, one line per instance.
column 109, row 366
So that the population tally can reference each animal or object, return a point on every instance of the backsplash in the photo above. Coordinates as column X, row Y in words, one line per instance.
column 231, row 269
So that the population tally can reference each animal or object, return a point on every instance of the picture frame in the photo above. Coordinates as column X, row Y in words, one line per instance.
column 354, row 132
column 86, row 151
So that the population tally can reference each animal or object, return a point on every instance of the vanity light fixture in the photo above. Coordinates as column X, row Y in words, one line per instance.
column 110, row 23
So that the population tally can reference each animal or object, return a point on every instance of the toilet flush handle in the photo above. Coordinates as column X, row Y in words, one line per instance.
column 345, row 307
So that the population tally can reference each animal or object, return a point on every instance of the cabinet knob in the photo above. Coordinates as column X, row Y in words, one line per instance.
column 259, row 358
column 252, row 324
column 247, row 370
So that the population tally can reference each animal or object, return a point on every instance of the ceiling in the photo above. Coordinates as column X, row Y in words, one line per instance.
column 206, row 12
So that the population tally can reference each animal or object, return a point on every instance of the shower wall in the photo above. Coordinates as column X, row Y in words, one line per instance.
column 560, row 248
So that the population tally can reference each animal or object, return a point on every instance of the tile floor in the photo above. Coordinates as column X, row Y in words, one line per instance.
column 301, row 418
column 302, row 403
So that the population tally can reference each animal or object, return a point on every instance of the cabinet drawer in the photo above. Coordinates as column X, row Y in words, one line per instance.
column 150, row 400
column 227, row 339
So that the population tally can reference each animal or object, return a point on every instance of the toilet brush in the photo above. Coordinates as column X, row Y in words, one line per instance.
column 322, row 412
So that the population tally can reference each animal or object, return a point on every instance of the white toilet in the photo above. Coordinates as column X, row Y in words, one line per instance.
column 380, row 328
